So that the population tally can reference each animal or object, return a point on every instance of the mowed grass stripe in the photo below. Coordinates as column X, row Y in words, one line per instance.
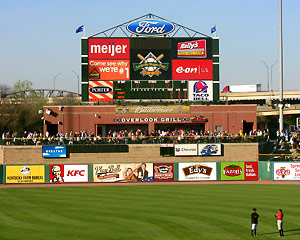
column 147, row 212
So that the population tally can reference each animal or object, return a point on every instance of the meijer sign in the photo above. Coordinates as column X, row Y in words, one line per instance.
column 149, row 27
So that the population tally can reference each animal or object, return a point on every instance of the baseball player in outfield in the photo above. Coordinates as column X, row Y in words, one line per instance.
column 254, row 221
column 279, row 217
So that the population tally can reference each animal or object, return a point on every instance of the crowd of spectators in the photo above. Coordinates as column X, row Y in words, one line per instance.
column 132, row 136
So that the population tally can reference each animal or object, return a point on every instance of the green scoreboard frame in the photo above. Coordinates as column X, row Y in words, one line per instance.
column 162, row 88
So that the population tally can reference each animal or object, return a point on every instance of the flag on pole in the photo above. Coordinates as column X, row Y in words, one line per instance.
column 214, row 29
column 80, row 29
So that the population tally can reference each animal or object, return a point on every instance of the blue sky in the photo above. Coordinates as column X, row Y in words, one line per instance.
column 38, row 37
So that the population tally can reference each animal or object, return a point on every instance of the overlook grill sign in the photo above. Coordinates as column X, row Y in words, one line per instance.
column 150, row 27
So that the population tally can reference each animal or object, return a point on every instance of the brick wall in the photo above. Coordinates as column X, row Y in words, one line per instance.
column 137, row 153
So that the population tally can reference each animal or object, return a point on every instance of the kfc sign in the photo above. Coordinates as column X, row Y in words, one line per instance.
column 69, row 173
column 192, row 69
column 112, row 48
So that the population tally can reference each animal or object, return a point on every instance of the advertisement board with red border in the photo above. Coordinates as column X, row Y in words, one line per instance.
column 109, row 70
column 109, row 48
column 192, row 69
column 101, row 91
column 192, row 48
column 63, row 173
column 163, row 172
column 251, row 170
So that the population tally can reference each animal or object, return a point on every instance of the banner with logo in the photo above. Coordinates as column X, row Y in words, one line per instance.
column 232, row 171
column 135, row 172
column 69, row 173
column 25, row 174
column 150, row 64
column 155, row 109
column 192, row 69
column 101, row 91
column 186, row 149
column 54, row 151
column 109, row 70
column 287, row 171
column 109, row 48
column 201, row 91
column 191, row 48
column 251, row 170
column 199, row 171
column 209, row 149
column 163, row 172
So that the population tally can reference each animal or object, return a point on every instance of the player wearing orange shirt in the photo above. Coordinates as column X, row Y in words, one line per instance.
column 279, row 217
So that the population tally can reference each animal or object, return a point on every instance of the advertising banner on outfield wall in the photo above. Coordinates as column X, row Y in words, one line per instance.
column 203, row 171
column 232, row 171
column 287, row 171
column 135, row 172
column 251, row 170
column 186, row 150
column 209, row 149
column 163, row 171
column 69, row 173
column 25, row 174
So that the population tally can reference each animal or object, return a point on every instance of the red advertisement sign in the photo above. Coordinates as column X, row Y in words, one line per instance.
column 109, row 48
column 101, row 91
column 192, row 69
column 163, row 171
column 251, row 170
column 192, row 49
column 108, row 70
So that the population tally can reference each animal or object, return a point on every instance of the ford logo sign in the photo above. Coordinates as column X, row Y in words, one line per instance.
column 150, row 27
column 100, row 89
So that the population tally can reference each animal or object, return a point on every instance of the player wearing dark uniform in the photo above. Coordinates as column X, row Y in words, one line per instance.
column 254, row 221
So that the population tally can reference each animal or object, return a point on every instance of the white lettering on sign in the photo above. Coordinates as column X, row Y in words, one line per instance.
column 192, row 70
column 110, row 49
column 144, row 26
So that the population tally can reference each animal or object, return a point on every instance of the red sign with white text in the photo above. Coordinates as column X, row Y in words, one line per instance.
column 108, row 70
column 251, row 171
column 163, row 171
column 192, row 69
column 109, row 48
column 192, row 49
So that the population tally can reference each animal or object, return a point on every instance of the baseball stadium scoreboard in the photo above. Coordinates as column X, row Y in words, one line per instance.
column 150, row 67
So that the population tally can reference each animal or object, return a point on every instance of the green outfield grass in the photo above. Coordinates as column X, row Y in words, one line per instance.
column 147, row 212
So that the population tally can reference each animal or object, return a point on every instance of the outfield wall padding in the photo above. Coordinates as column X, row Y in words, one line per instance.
column 265, row 170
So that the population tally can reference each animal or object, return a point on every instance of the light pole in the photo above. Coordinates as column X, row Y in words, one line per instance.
column 267, row 74
column 54, row 80
column 280, row 69
column 271, row 86
column 77, row 79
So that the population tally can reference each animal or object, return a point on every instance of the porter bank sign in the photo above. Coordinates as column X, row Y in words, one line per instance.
column 150, row 27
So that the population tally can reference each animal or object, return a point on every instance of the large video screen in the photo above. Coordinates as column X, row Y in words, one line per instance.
column 150, row 68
